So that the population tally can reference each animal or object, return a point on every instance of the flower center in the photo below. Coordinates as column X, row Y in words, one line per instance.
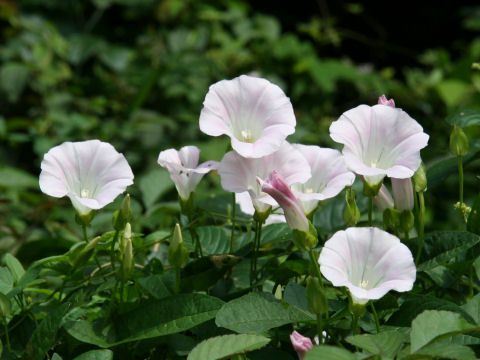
column 373, row 164
column 308, row 190
column 364, row 284
column 84, row 193
column 246, row 135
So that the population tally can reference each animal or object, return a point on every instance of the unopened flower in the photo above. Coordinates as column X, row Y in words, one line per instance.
column 253, row 112
column 384, row 101
column 379, row 141
column 369, row 262
column 329, row 176
column 277, row 188
column 300, row 343
column 91, row 173
column 239, row 174
column 383, row 200
column 184, row 169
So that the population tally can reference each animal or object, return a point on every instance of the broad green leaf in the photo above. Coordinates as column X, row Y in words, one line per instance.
column 96, row 355
column 6, row 280
column 386, row 344
column 452, row 91
column 153, row 185
column 13, row 79
column 17, row 179
column 158, row 318
column 255, row 312
column 221, row 347
column 56, row 357
column 472, row 307
column 433, row 324
column 45, row 335
column 296, row 295
column 157, row 286
column 326, row 352
column 464, row 117
column 115, row 57
column 444, row 351
column 275, row 233
column 5, row 305
column 415, row 304
column 15, row 267
column 442, row 246
column 214, row 240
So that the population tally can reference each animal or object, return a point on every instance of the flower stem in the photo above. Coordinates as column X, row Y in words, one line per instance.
column 112, row 248
column 460, row 190
column 377, row 322
column 319, row 326
column 470, row 282
column 84, row 231
column 370, row 210
column 421, row 225
column 315, row 266
column 255, row 251
column 7, row 335
column 232, row 235
column 355, row 324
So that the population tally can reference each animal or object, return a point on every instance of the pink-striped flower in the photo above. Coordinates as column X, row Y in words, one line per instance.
column 91, row 173
column 184, row 169
column 253, row 112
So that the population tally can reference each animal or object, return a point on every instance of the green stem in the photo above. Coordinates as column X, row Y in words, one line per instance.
column 377, row 323
column 370, row 210
column 232, row 235
column 112, row 248
column 460, row 190
column 355, row 324
column 421, row 225
column 470, row 283
column 315, row 266
column 7, row 335
column 319, row 327
column 84, row 231
column 407, row 236
column 255, row 251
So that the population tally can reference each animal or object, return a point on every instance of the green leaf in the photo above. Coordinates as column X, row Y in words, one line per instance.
column 472, row 307
column 452, row 91
column 158, row 318
column 445, row 351
column 226, row 346
column 386, row 344
column 257, row 312
column 6, row 280
column 442, row 246
column 13, row 79
column 440, row 170
column 415, row 304
column 157, row 286
column 15, row 267
column 153, row 185
column 5, row 306
column 115, row 57
column 431, row 325
column 464, row 117
column 276, row 233
column 96, row 355
column 45, row 335
column 55, row 356
column 17, row 179
column 296, row 295
column 326, row 352
column 214, row 240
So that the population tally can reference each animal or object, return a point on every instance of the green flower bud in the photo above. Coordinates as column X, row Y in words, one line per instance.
column 127, row 262
column 420, row 178
column 127, row 234
column 351, row 214
column 458, row 142
column 391, row 218
column 305, row 240
column 178, row 254
column 407, row 220
column 86, row 252
column 122, row 216
column 316, row 298
column 5, row 305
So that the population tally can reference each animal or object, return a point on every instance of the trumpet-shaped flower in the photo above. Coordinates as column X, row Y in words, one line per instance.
column 239, row 174
column 91, row 173
column 184, row 169
column 277, row 188
column 253, row 112
column 329, row 176
column 379, row 141
column 369, row 262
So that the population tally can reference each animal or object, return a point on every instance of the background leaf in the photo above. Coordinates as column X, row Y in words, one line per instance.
column 96, row 355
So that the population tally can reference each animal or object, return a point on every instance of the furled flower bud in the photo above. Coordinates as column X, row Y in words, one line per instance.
column 300, row 343
column 178, row 254
column 127, row 263
column 403, row 193
column 384, row 101
column 127, row 234
column 458, row 142
column 351, row 214
column 420, row 178
column 316, row 297
column 123, row 215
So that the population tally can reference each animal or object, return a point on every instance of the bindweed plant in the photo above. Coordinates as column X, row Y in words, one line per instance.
column 263, row 277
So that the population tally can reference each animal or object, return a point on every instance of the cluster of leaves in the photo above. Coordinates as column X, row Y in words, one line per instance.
column 76, row 70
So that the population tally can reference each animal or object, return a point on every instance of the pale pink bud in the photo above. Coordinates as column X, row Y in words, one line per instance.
column 300, row 343
column 384, row 199
column 276, row 187
column 384, row 101
column 403, row 193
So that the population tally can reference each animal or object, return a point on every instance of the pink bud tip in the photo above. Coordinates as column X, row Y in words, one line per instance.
column 300, row 343
column 384, row 101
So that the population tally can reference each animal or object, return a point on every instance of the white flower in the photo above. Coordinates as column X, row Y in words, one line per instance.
column 244, row 200
column 239, row 174
column 329, row 176
column 91, row 173
column 369, row 262
column 379, row 141
column 184, row 169
column 252, row 111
